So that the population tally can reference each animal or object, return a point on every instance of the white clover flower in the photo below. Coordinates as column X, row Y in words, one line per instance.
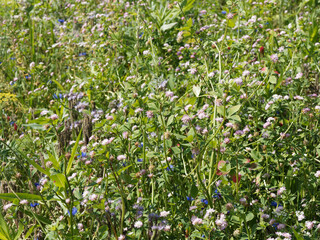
column 299, row 75
column 196, row 221
column 164, row 213
column 138, row 224
column 121, row 157
column 7, row 206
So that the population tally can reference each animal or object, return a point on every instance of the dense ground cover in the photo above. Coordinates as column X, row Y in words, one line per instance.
column 159, row 119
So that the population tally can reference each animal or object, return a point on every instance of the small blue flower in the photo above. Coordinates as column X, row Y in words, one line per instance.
column 124, row 164
column 60, row 96
column 141, row 145
column 74, row 211
column 34, row 204
column 218, row 195
column 190, row 198
column 28, row 76
column 55, row 96
column 224, row 12
column 170, row 168
column 139, row 160
column 11, row 123
column 82, row 54
column 274, row 204
column 60, row 20
column 205, row 201
column 140, row 35
column 275, row 225
column 36, row 184
column 83, row 154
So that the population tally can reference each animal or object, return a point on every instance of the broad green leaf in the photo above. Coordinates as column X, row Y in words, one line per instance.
column 273, row 80
column 170, row 120
column 220, row 110
column 21, row 196
column 189, row 138
column 4, row 229
column 73, row 153
column 196, row 90
column 236, row 118
column 176, row 150
column 235, row 219
column 59, row 180
column 168, row 26
column 189, row 23
column 233, row 110
column 232, row 22
column 249, row 216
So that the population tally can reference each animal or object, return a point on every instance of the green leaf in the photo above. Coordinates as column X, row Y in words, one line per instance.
column 73, row 153
column 20, row 230
column 233, row 110
column 170, row 120
column 54, row 161
column 59, row 180
column 189, row 23
column 189, row 138
column 220, row 110
column 194, row 191
column 168, row 26
column 188, row 6
column 38, row 167
column 273, row 80
column 297, row 235
column 232, row 22
column 176, row 150
column 123, row 169
column 34, row 126
column 314, row 33
column 196, row 90
column 33, row 163
column 58, row 84
column 4, row 229
column 21, row 196
column 38, row 217
column 236, row 118
column 249, row 216
column 30, row 231
column 235, row 219
column 256, row 155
